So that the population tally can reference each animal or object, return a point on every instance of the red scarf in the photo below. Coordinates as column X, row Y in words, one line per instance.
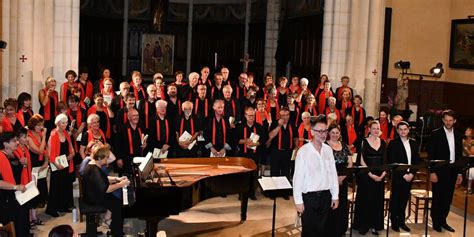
column 7, row 125
column 361, row 115
column 322, row 101
column 55, row 146
column 301, row 130
column 269, row 108
column 130, row 141
column 344, row 106
column 182, row 126
column 38, row 144
column 214, row 130
column 279, row 138
column 233, row 108
column 6, row 169
column 338, row 114
column 237, row 95
column 65, row 89
column 20, row 116
column 339, row 92
column 295, row 89
column 384, row 129
column 90, row 135
column 313, row 112
column 245, row 138
column 318, row 89
column 26, row 172
column 259, row 119
column 78, row 116
column 137, row 90
column 89, row 92
column 93, row 110
column 158, row 130
column 351, row 134
column 206, row 107
column 47, row 112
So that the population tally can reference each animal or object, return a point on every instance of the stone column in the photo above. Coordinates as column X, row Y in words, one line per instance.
column 190, row 37
column 271, row 35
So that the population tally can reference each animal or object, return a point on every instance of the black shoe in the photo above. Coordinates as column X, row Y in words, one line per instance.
column 395, row 228
column 53, row 214
column 374, row 232
column 253, row 197
column 447, row 227
column 437, row 228
column 286, row 197
column 405, row 228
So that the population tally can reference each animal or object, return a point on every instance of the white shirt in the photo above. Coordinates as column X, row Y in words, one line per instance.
column 450, row 137
column 406, row 144
column 314, row 172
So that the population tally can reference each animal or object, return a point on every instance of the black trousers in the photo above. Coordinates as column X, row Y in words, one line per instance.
column 11, row 210
column 443, row 192
column 399, row 199
column 280, row 163
column 114, row 205
column 316, row 209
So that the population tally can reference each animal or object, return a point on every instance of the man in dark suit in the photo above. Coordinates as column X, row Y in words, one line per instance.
column 405, row 151
column 445, row 144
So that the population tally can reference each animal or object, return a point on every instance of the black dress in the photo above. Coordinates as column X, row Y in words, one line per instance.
column 41, row 184
column 60, row 187
column 338, row 219
column 369, row 204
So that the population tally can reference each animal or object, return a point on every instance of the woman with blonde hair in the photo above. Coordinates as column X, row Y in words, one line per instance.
column 48, row 98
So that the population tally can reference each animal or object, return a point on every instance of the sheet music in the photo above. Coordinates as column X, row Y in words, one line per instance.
column 79, row 137
column 39, row 174
column 145, row 161
column 108, row 99
column 212, row 155
column 293, row 154
column 30, row 193
column 254, row 137
column 61, row 160
column 274, row 183
column 158, row 155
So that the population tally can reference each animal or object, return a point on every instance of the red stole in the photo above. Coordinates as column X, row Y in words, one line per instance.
column 89, row 92
column 214, row 130
column 351, row 134
column 318, row 89
column 269, row 108
column 6, row 169
column 295, row 89
column 301, row 130
column 344, row 106
column 322, row 101
column 259, row 119
column 206, row 107
column 7, row 125
column 158, row 130
column 233, row 108
column 26, row 172
column 38, row 144
column 361, row 114
column 339, row 92
column 181, row 128
column 55, row 147
column 47, row 112
column 280, row 137
column 78, row 116
column 137, row 90
column 93, row 110
column 313, row 111
column 338, row 114
column 237, row 94
column 90, row 135
column 130, row 140
column 384, row 129
column 21, row 117
column 245, row 138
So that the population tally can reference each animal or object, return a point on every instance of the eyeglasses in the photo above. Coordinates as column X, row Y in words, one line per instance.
column 320, row 131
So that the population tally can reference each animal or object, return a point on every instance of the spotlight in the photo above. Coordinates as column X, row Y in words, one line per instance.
column 402, row 65
column 438, row 70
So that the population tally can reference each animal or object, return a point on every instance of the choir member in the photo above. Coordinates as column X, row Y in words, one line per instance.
column 187, row 122
column 102, row 109
column 231, row 105
column 311, row 105
column 217, row 132
column 402, row 150
column 131, row 143
column 272, row 103
column 160, row 86
column 331, row 109
column 39, row 155
column 48, row 98
column 345, row 102
column 86, row 86
column 320, row 87
column 246, row 146
column 357, row 112
column 350, row 136
column 445, row 144
column 250, row 82
column 190, row 90
column 240, row 88
column 202, row 105
column 24, row 112
column 322, row 97
column 173, row 108
column 263, row 117
column 283, row 91
column 10, row 181
column 344, row 86
column 93, row 133
column 338, row 218
column 392, row 126
column 99, row 84
column 304, row 130
column 118, row 102
column 180, row 84
column 98, row 188
column 76, row 91
column 294, row 110
column 468, row 150
column 78, row 115
column 369, row 204
column 66, row 87
column 295, row 85
column 60, row 197
column 250, row 100
column 204, row 78
column 216, row 90
column 136, row 86
column 384, row 123
column 225, row 76
column 10, row 122
column 304, row 92
column 147, row 108
column 108, row 90
column 282, row 138
column 162, row 130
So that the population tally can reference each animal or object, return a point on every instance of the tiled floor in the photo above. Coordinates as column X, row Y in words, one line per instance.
column 220, row 217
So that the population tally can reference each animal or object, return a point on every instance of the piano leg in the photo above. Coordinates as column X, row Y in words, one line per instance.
column 152, row 225
column 243, row 206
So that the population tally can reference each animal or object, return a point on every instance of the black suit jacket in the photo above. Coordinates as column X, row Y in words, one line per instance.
column 438, row 147
column 396, row 153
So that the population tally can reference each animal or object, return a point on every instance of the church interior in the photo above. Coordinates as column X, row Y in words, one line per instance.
column 408, row 59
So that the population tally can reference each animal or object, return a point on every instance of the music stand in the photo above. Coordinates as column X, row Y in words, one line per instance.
column 465, row 163
column 274, row 193
column 431, row 164
column 352, row 171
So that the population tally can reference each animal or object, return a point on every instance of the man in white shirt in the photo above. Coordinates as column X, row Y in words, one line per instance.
column 445, row 144
column 315, row 183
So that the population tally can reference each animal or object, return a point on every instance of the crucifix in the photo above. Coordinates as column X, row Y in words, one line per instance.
column 23, row 58
column 245, row 62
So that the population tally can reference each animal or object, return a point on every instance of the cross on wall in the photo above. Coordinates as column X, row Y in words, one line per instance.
column 23, row 58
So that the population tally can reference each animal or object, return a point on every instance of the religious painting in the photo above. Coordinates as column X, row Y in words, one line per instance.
column 462, row 44
column 157, row 54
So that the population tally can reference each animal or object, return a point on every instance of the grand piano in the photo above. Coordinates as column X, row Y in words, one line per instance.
column 178, row 184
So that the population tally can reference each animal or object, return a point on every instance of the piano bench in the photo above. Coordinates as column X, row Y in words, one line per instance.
column 92, row 217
